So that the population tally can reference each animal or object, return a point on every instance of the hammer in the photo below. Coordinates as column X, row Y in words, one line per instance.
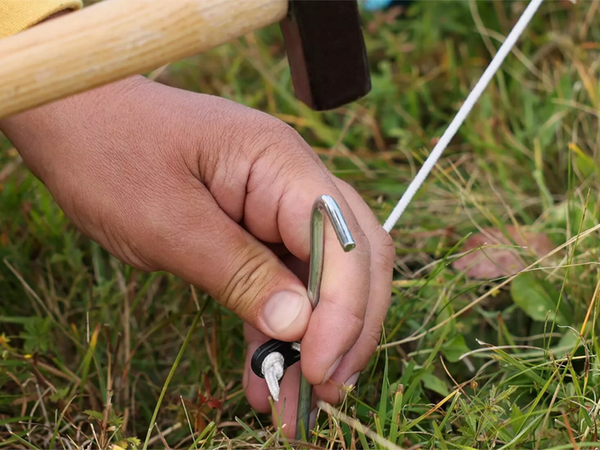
column 115, row 39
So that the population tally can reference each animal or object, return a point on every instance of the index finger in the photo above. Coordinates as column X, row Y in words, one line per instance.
column 284, row 196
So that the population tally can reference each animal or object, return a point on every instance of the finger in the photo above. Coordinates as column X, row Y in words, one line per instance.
column 282, row 191
column 195, row 240
column 382, row 260
column 338, row 319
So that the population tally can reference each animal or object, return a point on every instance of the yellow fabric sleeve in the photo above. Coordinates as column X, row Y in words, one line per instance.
column 18, row 15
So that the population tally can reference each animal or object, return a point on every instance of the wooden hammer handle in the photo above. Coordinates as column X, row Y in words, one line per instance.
column 114, row 39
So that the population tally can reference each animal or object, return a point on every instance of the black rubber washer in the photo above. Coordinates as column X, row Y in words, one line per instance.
column 290, row 355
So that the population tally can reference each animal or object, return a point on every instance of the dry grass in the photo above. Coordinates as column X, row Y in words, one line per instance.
column 87, row 344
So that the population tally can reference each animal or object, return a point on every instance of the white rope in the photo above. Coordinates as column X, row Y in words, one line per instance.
column 462, row 114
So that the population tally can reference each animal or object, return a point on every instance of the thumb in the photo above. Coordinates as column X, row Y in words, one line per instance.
column 237, row 270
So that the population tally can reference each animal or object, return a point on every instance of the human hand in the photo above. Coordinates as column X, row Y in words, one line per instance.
column 219, row 195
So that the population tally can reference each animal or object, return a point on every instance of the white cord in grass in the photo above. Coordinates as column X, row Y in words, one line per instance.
column 462, row 114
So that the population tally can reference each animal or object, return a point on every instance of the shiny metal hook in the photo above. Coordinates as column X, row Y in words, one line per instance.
column 324, row 205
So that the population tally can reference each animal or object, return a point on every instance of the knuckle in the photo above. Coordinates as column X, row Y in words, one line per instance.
column 281, row 156
column 263, row 133
column 275, row 140
column 272, row 130
column 242, row 290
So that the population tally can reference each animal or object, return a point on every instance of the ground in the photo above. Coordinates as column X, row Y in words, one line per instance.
column 88, row 346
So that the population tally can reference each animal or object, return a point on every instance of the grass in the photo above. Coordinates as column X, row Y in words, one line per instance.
column 87, row 344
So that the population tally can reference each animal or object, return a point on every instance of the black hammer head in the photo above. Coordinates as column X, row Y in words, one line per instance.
column 326, row 52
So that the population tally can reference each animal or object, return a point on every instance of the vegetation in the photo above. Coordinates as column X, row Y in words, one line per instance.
column 87, row 345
